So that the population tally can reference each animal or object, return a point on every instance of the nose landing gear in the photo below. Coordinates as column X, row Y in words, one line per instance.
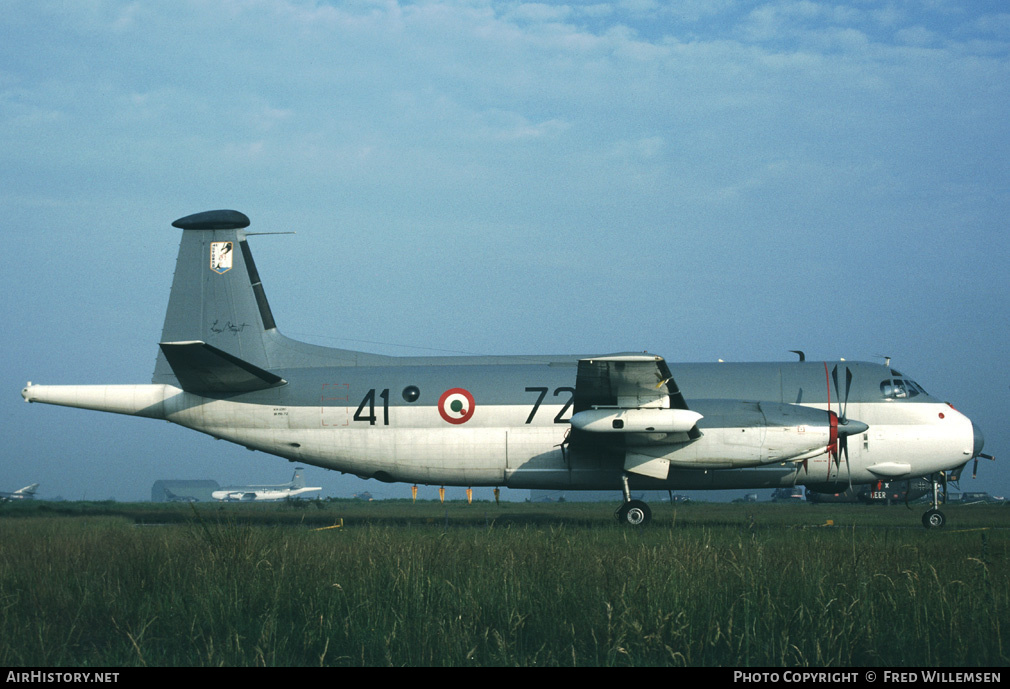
column 934, row 518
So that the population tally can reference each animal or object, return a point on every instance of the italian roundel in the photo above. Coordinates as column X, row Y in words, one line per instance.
column 456, row 405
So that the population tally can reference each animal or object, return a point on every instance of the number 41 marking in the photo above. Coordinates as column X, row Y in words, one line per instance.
column 370, row 401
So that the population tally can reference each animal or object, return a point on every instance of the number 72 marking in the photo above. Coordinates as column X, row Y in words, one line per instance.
column 540, row 399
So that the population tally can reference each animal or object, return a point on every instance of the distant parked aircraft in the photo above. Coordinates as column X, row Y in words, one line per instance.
column 26, row 493
column 265, row 493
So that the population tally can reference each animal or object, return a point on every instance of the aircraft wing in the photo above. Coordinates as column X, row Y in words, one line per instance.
column 630, row 401
column 628, row 381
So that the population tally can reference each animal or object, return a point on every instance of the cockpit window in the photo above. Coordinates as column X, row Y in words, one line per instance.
column 894, row 389
column 900, row 388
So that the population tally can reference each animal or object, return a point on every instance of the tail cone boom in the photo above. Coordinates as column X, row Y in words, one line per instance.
column 135, row 400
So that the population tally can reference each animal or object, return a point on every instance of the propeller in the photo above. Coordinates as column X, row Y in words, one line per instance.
column 974, row 468
column 978, row 442
column 841, row 426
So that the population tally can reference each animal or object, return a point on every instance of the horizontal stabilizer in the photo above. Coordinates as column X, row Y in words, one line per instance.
column 203, row 368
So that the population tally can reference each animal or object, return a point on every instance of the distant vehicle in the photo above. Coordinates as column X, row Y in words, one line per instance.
column 750, row 497
column 679, row 499
column 26, row 493
column 890, row 492
column 847, row 495
column 265, row 493
column 881, row 492
column 366, row 496
column 792, row 494
column 978, row 498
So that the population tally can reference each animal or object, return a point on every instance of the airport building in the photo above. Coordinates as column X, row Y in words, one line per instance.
column 183, row 491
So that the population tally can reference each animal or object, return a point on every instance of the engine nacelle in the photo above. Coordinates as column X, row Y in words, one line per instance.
column 738, row 434
column 639, row 420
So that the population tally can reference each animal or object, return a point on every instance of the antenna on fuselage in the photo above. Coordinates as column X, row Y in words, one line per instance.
column 799, row 353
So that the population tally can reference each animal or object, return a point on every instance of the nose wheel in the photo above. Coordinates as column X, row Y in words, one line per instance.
column 933, row 519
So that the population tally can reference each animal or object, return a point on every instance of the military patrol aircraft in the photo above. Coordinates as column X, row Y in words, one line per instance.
column 283, row 491
column 614, row 421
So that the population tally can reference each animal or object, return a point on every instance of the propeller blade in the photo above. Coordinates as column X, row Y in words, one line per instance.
column 834, row 377
column 843, row 406
column 974, row 467
column 844, row 441
column 841, row 427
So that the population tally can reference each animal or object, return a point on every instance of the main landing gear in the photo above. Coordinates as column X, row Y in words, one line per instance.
column 632, row 512
column 934, row 518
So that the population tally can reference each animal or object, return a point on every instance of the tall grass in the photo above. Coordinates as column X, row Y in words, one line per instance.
column 100, row 590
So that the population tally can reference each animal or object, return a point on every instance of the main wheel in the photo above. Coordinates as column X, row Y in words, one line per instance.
column 634, row 513
column 933, row 519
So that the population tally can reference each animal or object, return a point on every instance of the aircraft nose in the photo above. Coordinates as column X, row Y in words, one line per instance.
column 979, row 441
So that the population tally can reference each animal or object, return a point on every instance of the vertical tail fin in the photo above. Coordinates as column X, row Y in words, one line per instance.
column 216, row 296
column 215, row 275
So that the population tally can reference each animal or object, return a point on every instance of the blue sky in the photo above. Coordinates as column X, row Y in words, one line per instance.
column 701, row 179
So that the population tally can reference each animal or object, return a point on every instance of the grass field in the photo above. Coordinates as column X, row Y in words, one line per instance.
column 105, row 584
